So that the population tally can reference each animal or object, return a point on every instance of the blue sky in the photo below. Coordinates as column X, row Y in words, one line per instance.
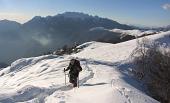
column 138, row 12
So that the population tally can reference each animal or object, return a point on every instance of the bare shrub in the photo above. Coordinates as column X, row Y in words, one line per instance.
column 152, row 65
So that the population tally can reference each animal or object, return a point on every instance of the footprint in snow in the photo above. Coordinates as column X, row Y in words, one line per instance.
column 62, row 102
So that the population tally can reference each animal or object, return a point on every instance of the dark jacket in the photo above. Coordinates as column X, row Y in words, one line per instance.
column 74, row 67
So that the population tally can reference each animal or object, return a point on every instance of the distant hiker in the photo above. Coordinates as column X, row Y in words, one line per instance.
column 74, row 68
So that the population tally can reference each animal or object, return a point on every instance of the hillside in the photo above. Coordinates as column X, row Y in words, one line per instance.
column 104, row 78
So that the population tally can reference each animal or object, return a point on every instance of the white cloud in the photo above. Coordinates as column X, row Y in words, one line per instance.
column 166, row 6
column 44, row 41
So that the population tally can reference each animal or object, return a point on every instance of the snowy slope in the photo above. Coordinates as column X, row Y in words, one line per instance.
column 103, row 80
column 134, row 32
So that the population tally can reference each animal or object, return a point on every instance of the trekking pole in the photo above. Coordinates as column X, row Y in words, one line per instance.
column 65, row 76
column 78, row 81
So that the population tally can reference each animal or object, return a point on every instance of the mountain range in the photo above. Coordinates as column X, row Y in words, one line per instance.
column 43, row 34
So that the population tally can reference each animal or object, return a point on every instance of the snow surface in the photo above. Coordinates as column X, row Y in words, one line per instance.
column 134, row 32
column 104, row 79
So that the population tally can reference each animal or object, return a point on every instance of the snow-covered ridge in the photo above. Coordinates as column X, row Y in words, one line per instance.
column 22, row 63
column 134, row 32
column 104, row 78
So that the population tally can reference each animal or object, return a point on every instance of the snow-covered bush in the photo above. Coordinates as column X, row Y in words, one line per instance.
column 152, row 65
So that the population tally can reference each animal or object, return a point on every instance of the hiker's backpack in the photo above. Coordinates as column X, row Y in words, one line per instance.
column 76, row 64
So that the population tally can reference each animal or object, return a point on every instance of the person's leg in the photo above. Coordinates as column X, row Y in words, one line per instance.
column 71, row 79
column 75, row 82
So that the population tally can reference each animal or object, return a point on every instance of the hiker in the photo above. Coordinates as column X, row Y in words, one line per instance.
column 74, row 68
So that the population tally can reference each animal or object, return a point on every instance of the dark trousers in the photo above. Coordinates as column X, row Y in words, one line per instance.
column 73, row 79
